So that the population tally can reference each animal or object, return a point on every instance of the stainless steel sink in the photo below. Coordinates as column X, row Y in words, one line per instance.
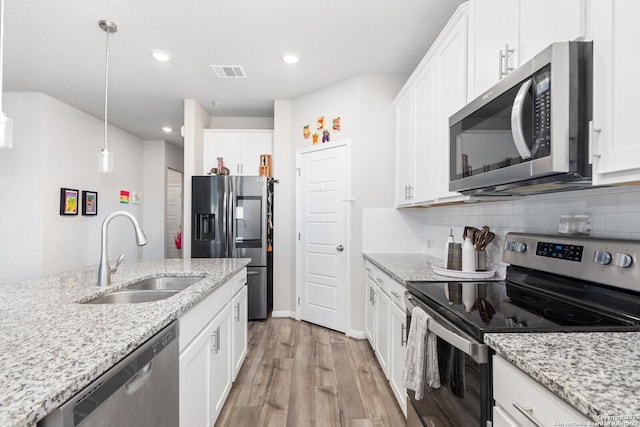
column 168, row 283
column 147, row 290
column 133, row 296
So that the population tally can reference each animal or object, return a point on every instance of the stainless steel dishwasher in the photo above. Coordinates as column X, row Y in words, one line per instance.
column 141, row 390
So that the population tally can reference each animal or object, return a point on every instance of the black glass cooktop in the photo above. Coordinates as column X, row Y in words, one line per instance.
column 531, row 302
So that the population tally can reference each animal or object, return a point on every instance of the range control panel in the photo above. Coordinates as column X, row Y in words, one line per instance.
column 560, row 251
column 609, row 261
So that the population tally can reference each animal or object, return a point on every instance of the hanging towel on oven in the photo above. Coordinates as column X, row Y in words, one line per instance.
column 451, row 367
column 421, row 362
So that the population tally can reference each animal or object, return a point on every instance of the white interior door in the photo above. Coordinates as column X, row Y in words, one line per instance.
column 322, row 219
column 174, row 212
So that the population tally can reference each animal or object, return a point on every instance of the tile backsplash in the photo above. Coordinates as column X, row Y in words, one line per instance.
column 614, row 213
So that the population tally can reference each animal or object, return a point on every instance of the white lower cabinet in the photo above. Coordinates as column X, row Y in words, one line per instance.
column 385, row 326
column 240, row 331
column 370, row 310
column 519, row 399
column 212, row 344
column 219, row 362
column 398, row 346
column 382, row 329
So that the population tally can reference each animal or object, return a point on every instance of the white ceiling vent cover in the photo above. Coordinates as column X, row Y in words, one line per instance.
column 229, row 71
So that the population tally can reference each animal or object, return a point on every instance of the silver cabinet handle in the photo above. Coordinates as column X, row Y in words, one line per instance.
column 237, row 312
column 403, row 339
column 406, row 195
column 379, row 279
column 594, row 133
column 503, row 62
column 395, row 294
column 214, row 339
column 340, row 248
column 516, row 121
column 528, row 413
column 218, row 340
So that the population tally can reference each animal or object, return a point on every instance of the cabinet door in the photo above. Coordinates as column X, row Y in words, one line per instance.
column 239, row 330
column 220, row 362
column 225, row 145
column 495, row 25
column 425, row 153
column 615, row 149
column 404, row 147
column 452, row 95
column 370, row 311
column 194, row 382
column 398, row 341
column 382, row 329
column 253, row 145
column 543, row 22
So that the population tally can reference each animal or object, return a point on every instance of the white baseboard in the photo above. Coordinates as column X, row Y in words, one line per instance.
column 359, row 335
column 291, row 314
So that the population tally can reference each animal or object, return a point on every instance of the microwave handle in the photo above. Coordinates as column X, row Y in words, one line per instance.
column 516, row 121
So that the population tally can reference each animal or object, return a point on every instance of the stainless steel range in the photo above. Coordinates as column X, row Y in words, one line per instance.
column 554, row 284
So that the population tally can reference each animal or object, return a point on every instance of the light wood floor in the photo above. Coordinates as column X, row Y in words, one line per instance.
column 299, row 374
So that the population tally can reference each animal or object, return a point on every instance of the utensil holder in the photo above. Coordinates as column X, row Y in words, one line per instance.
column 481, row 260
column 454, row 260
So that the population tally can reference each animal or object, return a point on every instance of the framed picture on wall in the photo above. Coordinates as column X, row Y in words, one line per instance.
column 69, row 201
column 89, row 202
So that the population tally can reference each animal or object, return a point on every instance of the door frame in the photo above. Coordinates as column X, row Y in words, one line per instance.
column 348, row 198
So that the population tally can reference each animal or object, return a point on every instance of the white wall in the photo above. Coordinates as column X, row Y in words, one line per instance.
column 196, row 119
column 56, row 145
column 364, row 104
column 241, row 122
column 21, row 182
column 158, row 157
column 284, row 223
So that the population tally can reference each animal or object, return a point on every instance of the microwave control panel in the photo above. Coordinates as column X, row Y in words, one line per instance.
column 542, row 113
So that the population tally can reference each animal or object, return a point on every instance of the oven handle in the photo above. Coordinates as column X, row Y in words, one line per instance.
column 475, row 350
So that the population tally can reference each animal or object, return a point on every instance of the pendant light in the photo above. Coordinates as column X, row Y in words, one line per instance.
column 106, row 158
column 6, row 124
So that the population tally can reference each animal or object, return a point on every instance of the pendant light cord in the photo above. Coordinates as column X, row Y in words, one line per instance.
column 106, row 91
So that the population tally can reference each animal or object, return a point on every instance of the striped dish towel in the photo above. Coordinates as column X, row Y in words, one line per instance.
column 421, row 362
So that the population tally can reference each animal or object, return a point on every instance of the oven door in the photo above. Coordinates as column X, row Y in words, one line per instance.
column 466, row 400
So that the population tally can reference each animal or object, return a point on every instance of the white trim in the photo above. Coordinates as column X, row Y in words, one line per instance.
column 348, row 198
column 358, row 335
column 283, row 313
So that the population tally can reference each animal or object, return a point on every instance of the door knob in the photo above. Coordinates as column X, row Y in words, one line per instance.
column 340, row 248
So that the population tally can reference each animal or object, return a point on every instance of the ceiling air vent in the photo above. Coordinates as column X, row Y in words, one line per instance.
column 229, row 71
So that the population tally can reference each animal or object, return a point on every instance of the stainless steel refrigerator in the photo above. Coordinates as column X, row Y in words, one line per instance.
column 232, row 218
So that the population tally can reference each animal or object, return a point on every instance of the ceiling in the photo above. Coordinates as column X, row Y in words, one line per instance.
column 56, row 47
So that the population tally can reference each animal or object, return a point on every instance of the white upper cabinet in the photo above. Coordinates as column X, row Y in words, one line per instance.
column 436, row 89
column 504, row 34
column 404, row 146
column 615, row 141
column 240, row 149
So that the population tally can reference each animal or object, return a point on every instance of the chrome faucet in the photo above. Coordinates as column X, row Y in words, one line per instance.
column 104, row 269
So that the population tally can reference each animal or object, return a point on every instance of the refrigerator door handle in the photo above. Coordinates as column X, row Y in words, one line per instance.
column 232, row 229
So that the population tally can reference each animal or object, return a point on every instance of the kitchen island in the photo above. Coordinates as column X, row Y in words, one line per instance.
column 52, row 346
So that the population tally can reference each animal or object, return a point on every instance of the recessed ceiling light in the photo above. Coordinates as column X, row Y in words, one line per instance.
column 290, row 58
column 167, row 129
column 160, row 55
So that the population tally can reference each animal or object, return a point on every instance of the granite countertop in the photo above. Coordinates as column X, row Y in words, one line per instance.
column 415, row 267
column 51, row 346
column 596, row 373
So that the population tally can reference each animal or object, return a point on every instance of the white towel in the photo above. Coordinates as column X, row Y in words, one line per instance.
column 421, row 361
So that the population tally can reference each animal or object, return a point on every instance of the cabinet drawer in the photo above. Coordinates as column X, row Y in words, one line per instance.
column 396, row 293
column 239, row 280
column 194, row 320
column 513, row 387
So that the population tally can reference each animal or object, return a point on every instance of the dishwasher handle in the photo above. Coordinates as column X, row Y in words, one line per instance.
column 139, row 378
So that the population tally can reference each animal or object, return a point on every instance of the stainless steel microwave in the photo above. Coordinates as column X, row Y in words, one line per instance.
column 528, row 133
